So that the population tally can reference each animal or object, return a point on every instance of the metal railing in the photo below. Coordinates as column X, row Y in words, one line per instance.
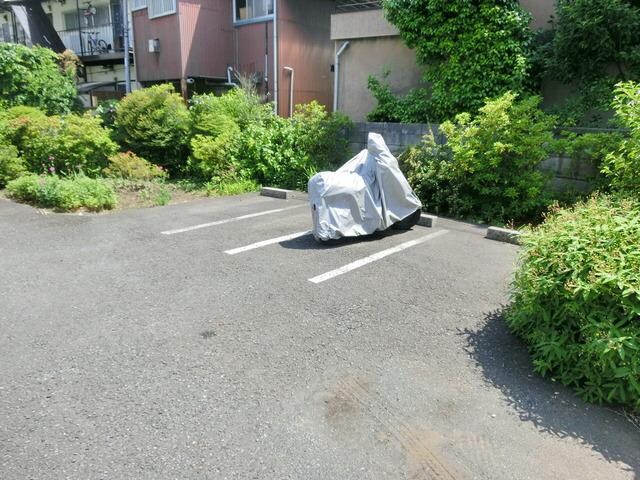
column 92, row 40
column 355, row 5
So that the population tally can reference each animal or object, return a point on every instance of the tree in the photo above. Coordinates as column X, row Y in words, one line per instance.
column 595, row 44
column 34, row 77
column 471, row 50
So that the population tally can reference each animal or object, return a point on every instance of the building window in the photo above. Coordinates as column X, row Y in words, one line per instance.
column 138, row 4
column 159, row 8
column 247, row 10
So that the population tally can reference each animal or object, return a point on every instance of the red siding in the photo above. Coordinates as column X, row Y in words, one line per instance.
column 305, row 45
column 166, row 64
column 207, row 37
column 250, row 50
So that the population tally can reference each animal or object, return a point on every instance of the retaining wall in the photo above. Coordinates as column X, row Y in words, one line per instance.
column 567, row 173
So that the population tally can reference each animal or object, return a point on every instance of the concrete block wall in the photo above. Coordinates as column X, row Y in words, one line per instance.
column 567, row 173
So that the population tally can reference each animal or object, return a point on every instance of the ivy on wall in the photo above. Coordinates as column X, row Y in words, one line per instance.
column 472, row 50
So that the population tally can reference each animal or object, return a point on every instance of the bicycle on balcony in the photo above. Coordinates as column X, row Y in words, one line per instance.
column 94, row 44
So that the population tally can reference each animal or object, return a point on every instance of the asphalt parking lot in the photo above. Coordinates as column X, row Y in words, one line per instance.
column 218, row 340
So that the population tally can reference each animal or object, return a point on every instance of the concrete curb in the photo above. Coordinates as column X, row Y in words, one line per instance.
column 427, row 220
column 275, row 193
column 283, row 194
column 503, row 235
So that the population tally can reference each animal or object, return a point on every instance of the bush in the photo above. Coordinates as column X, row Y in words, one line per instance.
column 63, row 193
column 11, row 165
column 64, row 144
column 488, row 170
column 284, row 152
column 212, row 115
column 107, row 112
column 154, row 123
column 128, row 165
column 33, row 76
column 576, row 300
column 590, row 149
column 410, row 108
column 622, row 166
column 210, row 156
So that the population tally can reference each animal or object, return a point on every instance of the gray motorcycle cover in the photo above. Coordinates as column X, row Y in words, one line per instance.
column 366, row 194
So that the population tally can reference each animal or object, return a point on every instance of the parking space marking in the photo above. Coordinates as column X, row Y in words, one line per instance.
column 229, row 220
column 376, row 256
column 264, row 243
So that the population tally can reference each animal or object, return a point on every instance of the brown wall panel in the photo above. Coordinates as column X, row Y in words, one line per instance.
column 165, row 64
column 249, row 51
column 305, row 45
column 206, row 31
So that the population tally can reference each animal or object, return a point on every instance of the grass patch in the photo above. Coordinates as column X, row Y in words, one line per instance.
column 63, row 193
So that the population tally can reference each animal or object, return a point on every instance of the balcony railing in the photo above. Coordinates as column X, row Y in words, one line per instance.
column 96, row 40
column 355, row 5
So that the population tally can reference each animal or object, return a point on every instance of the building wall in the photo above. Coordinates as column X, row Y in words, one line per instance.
column 375, row 46
column 206, row 34
column 305, row 45
column 165, row 64
column 250, row 43
column 541, row 10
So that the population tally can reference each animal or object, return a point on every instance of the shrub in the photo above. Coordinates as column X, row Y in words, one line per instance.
column 488, row 170
column 285, row 152
column 410, row 108
column 154, row 123
column 212, row 115
column 622, row 166
column 472, row 50
column 210, row 156
column 33, row 76
column 63, row 193
column 64, row 144
column 576, row 300
column 321, row 135
column 128, row 165
column 11, row 165
column 591, row 149
column 107, row 112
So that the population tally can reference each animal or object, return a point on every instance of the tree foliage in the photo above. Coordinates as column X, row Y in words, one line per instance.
column 35, row 77
column 594, row 44
column 471, row 50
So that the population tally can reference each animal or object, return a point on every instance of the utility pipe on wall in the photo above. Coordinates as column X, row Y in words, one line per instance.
column 275, row 56
column 293, row 73
column 336, row 75
column 125, row 27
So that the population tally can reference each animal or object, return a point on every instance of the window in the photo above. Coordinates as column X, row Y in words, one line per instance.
column 138, row 4
column 158, row 8
column 253, row 9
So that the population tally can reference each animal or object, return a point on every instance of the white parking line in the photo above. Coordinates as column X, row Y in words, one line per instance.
column 229, row 220
column 264, row 243
column 376, row 256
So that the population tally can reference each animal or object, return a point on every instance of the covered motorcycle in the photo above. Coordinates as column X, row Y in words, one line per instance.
column 369, row 193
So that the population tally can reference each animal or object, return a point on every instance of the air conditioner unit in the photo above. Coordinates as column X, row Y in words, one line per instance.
column 154, row 45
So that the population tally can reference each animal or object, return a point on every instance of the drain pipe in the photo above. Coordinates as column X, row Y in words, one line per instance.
column 293, row 73
column 229, row 80
column 336, row 75
column 275, row 56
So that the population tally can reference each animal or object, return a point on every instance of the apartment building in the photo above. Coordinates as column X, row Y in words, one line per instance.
column 200, row 45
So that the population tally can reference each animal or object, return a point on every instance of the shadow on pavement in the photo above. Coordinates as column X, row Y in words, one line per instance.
column 307, row 242
column 552, row 408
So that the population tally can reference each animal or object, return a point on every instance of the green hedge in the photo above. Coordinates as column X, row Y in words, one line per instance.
column 577, row 298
